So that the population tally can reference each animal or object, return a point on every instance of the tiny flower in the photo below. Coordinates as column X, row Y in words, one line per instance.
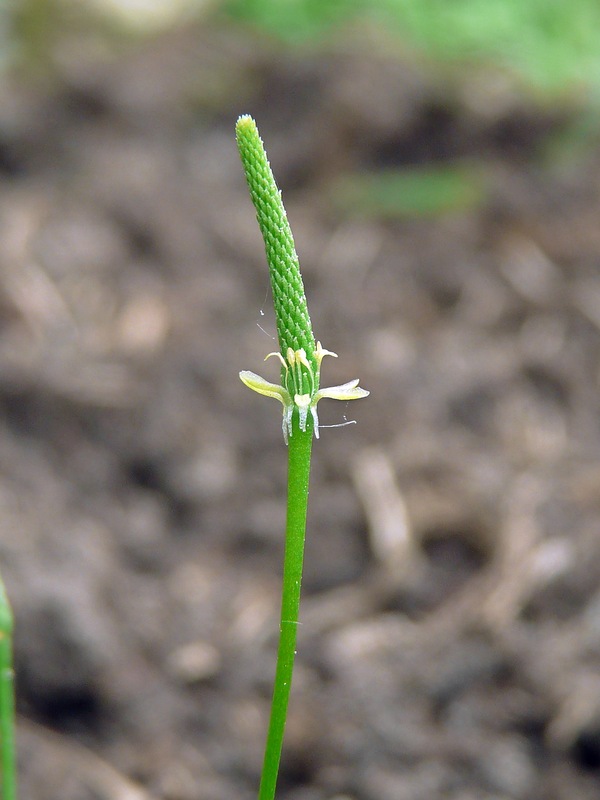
column 301, row 387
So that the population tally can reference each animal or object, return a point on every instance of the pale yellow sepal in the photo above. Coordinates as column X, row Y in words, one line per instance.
column 346, row 391
column 260, row 385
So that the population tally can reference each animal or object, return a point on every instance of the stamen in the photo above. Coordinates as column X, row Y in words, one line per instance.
column 279, row 356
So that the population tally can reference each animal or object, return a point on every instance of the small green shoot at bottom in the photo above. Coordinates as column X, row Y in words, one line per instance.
column 8, row 779
column 299, row 393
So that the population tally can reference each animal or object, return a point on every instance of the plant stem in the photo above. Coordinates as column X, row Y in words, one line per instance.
column 299, row 451
column 7, row 701
column 299, row 394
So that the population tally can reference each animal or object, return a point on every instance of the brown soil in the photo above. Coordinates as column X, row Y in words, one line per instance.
column 450, row 639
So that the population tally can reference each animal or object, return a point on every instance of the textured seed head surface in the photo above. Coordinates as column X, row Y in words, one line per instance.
column 294, row 328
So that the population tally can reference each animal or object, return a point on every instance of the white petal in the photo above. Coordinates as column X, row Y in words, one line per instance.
column 286, row 425
column 302, row 417
column 302, row 400
column 315, row 416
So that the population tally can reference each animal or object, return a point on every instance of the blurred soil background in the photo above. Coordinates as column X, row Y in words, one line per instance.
column 444, row 193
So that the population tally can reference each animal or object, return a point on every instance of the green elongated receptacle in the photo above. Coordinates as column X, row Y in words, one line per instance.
column 294, row 328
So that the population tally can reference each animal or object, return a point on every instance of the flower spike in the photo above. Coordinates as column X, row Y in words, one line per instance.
column 299, row 356
column 299, row 393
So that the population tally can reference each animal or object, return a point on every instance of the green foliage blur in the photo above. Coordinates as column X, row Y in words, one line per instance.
column 424, row 191
column 543, row 51
column 550, row 45
column 546, row 51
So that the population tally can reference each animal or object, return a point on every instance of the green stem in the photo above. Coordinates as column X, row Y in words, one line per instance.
column 299, row 451
column 7, row 701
